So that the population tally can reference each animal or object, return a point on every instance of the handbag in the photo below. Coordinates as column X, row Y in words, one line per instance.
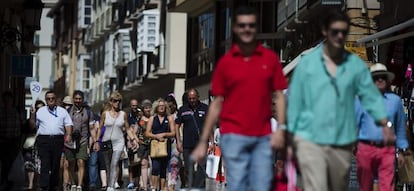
column 406, row 172
column 158, row 149
column 29, row 142
column 106, row 145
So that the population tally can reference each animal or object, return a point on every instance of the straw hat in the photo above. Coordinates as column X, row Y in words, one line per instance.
column 67, row 100
column 381, row 69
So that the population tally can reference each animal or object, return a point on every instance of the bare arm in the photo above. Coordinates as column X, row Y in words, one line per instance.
column 148, row 131
column 129, row 130
column 278, row 138
column 177, row 133
column 32, row 119
column 171, row 123
column 212, row 118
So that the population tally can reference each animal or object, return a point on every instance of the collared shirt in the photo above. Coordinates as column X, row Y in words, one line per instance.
column 193, row 121
column 52, row 122
column 370, row 131
column 321, row 107
column 82, row 119
column 247, row 85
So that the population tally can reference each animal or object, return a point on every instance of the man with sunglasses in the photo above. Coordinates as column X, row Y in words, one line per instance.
column 321, row 113
column 52, row 124
column 373, row 155
column 246, row 75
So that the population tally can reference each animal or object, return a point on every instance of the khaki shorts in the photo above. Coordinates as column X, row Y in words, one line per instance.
column 81, row 153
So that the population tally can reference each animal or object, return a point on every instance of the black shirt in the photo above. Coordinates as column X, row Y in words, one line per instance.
column 193, row 121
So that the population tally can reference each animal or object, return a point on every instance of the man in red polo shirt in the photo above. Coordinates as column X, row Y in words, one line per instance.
column 247, row 75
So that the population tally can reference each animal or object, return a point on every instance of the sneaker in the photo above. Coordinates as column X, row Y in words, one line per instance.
column 131, row 185
column 79, row 188
column 110, row 189
column 73, row 188
column 117, row 185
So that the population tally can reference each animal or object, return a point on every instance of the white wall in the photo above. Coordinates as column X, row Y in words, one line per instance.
column 176, row 42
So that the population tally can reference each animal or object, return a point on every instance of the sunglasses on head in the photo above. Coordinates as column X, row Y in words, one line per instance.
column 335, row 32
column 244, row 25
column 380, row 77
column 116, row 100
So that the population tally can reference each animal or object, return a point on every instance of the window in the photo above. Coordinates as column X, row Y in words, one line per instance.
column 87, row 20
column 151, row 31
column 151, row 39
column 88, row 2
column 87, row 10
column 36, row 40
column 151, row 18
column 151, row 45
column 86, row 77
column 151, row 24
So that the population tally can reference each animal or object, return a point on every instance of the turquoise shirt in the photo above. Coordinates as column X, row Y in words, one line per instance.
column 321, row 108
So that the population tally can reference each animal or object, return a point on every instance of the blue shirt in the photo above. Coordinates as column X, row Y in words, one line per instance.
column 369, row 130
column 321, row 108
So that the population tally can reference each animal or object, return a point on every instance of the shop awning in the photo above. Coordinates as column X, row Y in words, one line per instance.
column 375, row 39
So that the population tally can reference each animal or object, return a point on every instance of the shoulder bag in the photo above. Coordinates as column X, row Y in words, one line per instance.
column 158, row 149
column 107, row 145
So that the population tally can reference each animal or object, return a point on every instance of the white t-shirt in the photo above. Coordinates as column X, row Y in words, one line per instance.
column 52, row 122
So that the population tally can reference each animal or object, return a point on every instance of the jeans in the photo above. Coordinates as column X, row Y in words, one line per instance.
column 372, row 159
column 199, row 175
column 248, row 162
column 93, row 168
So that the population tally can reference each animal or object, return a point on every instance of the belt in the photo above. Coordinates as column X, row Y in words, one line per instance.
column 50, row 136
column 379, row 144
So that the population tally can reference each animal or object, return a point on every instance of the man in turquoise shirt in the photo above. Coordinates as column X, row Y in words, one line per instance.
column 321, row 108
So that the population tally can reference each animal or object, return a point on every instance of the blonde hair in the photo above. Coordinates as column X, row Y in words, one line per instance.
column 156, row 104
column 115, row 95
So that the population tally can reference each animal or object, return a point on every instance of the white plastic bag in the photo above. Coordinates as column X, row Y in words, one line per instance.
column 212, row 165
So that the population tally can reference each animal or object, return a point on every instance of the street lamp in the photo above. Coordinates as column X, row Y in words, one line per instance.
column 33, row 13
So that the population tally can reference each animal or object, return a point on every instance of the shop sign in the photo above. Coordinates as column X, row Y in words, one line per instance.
column 359, row 50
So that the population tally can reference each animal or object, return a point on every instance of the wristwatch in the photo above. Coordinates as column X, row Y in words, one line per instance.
column 389, row 124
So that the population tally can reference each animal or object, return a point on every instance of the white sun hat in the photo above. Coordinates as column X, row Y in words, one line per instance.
column 381, row 69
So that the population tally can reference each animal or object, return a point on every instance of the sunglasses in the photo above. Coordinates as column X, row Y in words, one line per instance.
column 116, row 100
column 380, row 77
column 50, row 98
column 335, row 32
column 244, row 25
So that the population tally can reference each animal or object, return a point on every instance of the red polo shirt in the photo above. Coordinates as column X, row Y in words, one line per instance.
column 247, row 85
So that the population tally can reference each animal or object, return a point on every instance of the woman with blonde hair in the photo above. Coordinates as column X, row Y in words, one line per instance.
column 113, row 139
column 161, row 127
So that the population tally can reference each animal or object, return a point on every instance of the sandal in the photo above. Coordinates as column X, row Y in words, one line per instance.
column 103, row 188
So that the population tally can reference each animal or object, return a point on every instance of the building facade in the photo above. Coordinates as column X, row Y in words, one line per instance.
column 18, row 24
column 43, row 56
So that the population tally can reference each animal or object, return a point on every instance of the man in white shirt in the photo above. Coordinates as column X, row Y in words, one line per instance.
column 53, row 123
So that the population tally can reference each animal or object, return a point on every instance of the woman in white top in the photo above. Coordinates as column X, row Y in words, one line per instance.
column 115, row 120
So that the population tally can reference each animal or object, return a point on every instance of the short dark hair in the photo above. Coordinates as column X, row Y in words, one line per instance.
column 78, row 92
column 334, row 15
column 171, row 98
column 244, row 10
column 193, row 90
column 50, row 92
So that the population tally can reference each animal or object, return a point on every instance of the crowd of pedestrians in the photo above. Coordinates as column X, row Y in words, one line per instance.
column 336, row 107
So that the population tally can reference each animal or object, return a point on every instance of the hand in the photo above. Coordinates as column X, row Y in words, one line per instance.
column 211, row 148
column 199, row 152
column 179, row 146
column 96, row 146
column 32, row 111
column 389, row 136
column 160, row 137
column 277, row 140
column 401, row 160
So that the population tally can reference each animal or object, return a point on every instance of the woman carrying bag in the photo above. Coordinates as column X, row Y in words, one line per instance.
column 160, row 127
column 113, row 139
